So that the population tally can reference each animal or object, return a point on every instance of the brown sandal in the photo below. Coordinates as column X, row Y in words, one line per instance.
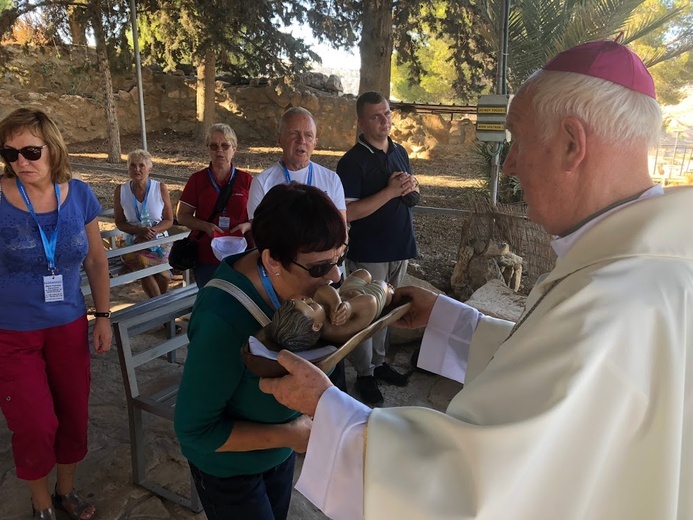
column 74, row 505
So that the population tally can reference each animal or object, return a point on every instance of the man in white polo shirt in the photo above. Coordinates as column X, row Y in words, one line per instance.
column 297, row 137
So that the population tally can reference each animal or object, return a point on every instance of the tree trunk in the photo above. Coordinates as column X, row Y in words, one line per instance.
column 105, row 71
column 376, row 47
column 206, row 98
column 78, row 30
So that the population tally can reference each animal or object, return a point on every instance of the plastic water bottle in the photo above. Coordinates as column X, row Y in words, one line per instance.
column 145, row 221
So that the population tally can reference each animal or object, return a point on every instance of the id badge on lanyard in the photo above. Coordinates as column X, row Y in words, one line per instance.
column 224, row 222
column 224, row 219
column 53, row 290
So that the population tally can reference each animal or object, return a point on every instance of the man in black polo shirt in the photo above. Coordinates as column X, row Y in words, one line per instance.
column 380, row 191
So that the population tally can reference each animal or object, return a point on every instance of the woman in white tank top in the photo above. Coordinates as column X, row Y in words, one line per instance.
column 142, row 209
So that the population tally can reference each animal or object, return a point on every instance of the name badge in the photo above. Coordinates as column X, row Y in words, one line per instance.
column 53, row 288
column 224, row 223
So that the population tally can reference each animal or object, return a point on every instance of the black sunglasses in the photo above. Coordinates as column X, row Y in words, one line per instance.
column 30, row 153
column 320, row 270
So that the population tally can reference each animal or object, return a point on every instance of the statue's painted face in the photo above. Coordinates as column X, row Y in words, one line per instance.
column 313, row 310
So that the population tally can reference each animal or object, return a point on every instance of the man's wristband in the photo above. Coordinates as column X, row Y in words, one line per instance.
column 101, row 314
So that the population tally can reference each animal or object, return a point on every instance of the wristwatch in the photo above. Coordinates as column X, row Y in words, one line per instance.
column 101, row 314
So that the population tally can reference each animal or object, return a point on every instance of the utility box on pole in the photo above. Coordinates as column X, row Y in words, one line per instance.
column 490, row 118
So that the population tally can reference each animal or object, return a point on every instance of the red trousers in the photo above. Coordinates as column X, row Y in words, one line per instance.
column 44, row 394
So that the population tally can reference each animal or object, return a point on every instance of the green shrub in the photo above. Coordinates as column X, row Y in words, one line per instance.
column 509, row 189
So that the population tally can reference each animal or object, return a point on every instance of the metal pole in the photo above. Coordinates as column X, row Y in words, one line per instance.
column 138, row 68
column 501, row 88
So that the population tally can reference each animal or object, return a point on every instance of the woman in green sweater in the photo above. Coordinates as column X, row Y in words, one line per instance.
column 239, row 441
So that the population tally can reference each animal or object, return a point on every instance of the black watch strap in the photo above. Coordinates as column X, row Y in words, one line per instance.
column 101, row 314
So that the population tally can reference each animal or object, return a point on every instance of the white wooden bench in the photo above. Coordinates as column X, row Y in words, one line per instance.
column 127, row 324
column 119, row 275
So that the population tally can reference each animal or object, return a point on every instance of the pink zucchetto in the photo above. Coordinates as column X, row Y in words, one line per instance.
column 606, row 60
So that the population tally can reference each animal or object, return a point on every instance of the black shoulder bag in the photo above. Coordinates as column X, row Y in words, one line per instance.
column 183, row 253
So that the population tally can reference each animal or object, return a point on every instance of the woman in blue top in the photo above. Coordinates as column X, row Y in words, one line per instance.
column 48, row 232
column 239, row 441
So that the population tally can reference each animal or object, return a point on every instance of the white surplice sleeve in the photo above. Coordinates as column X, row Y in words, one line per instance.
column 332, row 475
column 446, row 340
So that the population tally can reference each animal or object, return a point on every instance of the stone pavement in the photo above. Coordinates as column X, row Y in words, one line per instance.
column 105, row 473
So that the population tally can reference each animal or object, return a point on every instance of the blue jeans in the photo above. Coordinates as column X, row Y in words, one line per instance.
column 264, row 496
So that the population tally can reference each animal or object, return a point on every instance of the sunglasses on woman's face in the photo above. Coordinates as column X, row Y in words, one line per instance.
column 216, row 147
column 320, row 270
column 30, row 153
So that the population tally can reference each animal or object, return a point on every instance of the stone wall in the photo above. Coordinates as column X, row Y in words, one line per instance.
column 65, row 82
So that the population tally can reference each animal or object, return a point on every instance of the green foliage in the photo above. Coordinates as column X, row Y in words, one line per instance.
column 509, row 188
column 246, row 36
column 673, row 75
column 539, row 29
column 436, row 79
column 442, row 49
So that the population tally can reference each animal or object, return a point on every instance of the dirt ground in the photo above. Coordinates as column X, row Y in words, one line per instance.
column 445, row 183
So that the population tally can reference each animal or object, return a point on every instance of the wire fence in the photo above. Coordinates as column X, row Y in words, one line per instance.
column 508, row 223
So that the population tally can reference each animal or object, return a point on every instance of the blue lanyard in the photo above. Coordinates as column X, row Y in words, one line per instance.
column 49, row 245
column 144, row 201
column 287, row 176
column 214, row 183
column 267, row 284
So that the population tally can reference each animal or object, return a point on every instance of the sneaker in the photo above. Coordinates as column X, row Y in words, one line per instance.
column 367, row 387
column 388, row 374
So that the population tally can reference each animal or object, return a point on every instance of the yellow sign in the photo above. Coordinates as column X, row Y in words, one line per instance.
column 497, row 127
column 491, row 110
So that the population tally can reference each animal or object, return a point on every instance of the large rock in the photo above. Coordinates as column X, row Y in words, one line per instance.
column 498, row 300
column 479, row 261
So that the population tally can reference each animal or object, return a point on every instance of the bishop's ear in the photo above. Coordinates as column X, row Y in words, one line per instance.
column 574, row 135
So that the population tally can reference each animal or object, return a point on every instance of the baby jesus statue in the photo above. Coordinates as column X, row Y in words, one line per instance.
column 334, row 315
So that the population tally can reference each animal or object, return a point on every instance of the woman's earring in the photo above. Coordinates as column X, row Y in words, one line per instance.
column 276, row 274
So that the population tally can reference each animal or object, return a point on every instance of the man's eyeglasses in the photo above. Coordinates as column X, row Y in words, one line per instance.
column 215, row 147
column 30, row 153
column 320, row 270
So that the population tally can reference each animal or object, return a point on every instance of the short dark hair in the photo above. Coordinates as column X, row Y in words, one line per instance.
column 296, row 218
column 371, row 98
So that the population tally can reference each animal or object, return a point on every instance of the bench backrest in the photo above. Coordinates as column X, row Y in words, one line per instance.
column 145, row 316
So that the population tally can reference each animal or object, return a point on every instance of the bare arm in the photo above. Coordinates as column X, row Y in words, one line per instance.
column 186, row 217
column 249, row 436
column 399, row 183
column 96, row 267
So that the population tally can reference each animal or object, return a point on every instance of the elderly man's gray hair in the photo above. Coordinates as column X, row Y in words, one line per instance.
column 613, row 112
